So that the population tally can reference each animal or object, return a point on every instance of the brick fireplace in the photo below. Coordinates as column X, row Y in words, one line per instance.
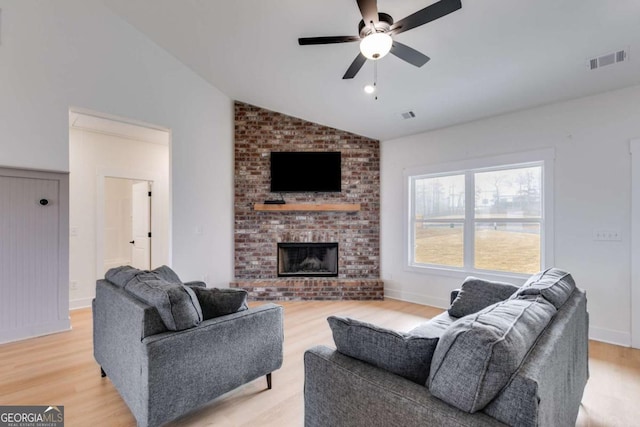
column 258, row 233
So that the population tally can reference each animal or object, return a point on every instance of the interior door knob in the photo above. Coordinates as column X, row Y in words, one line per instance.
column 133, row 242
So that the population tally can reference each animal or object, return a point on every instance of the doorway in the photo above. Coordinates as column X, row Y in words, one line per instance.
column 127, row 223
column 106, row 152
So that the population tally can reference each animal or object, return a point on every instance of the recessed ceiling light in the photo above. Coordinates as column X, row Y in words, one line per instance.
column 369, row 89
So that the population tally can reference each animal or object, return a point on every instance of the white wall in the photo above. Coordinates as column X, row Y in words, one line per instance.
column 94, row 156
column 591, row 138
column 76, row 53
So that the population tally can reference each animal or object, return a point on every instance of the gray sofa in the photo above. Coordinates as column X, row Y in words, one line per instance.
column 539, row 384
column 161, row 374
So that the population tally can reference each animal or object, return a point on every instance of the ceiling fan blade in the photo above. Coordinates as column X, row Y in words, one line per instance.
column 327, row 40
column 369, row 10
column 428, row 14
column 409, row 54
column 355, row 66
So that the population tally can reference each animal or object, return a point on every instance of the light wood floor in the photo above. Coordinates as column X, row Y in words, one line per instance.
column 59, row 369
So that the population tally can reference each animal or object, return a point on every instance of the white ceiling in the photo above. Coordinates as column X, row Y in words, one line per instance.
column 488, row 58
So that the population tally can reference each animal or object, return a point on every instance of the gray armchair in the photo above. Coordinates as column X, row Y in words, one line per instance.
column 163, row 374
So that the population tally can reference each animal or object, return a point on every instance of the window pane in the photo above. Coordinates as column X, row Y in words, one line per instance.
column 439, row 198
column 509, row 193
column 513, row 247
column 440, row 244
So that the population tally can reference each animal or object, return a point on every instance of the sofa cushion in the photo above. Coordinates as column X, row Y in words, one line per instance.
column 478, row 354
column 476, row 294
column 554, row 285
column 219, row 302
column 402, row 354
column 120, row 276
column 176, row 304
column 434, row 327
column 167, row 274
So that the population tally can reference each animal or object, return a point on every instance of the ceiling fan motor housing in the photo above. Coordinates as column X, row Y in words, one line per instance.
column 374, row 34
column 385, row 22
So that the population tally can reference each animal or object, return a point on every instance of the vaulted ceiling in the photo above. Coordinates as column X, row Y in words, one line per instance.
column 488, row 58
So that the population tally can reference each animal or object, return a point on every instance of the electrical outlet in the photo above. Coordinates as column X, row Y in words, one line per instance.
column 73, row 285
column 609, row 235
column 205, row 278
column 73, row 231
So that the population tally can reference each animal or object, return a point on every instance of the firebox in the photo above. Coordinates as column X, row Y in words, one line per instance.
column 308, row 259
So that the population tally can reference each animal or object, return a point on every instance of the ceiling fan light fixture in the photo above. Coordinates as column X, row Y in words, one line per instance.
column 369, row 89
column 376, row 45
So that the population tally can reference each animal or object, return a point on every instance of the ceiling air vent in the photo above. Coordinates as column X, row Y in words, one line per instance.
column 408, row 115
column 608, row 59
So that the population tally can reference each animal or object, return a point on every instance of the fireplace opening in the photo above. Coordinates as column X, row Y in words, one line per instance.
column 308, row 259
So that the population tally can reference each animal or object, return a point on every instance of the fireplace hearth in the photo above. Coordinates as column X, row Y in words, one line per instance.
column 307, row 259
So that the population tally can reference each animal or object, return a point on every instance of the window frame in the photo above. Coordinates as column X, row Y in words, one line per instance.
column 543, row 158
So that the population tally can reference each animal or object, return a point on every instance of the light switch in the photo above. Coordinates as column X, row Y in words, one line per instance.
column 608, row 235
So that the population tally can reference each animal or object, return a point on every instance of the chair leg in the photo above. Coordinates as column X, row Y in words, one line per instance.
column 102, row 372
column 269, row 381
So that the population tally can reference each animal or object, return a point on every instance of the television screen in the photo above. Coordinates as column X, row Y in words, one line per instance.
column 309, row 171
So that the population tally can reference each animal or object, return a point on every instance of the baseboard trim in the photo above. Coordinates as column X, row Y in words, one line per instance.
column 610, row 337
column 75, row 304
column 34, row 331
column 416, row 298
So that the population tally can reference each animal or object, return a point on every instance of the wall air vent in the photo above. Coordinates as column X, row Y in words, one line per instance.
column 408, row 115
column 608, row 59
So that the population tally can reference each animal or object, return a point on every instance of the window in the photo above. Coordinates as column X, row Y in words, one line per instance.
column 484, row 219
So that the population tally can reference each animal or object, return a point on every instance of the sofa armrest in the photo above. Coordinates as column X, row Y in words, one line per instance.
column 118, row 327
column 196, row 283
column 340, row 390
column 547, row 388
column 188, row 368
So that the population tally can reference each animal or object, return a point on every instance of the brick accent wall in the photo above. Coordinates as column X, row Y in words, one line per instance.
column 257, row 133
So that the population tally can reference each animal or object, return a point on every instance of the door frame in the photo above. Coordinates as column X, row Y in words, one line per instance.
column 139, row 175
column 634, row 149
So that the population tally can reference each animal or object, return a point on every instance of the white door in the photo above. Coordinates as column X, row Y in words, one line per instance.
column 29, row 253
column 141, row 225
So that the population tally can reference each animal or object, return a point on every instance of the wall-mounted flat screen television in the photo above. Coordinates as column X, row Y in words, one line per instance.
column 306, row 171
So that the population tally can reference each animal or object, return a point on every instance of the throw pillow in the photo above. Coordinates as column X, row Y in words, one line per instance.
column 478, row 354
column 476, row 294
column 219, row 302
column 554, row 285
column 176, row 304
column 402, row 354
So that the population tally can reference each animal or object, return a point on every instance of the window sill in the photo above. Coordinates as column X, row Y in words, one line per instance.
column 461, row 274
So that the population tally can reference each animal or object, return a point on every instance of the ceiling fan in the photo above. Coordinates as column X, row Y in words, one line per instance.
column 375, row 31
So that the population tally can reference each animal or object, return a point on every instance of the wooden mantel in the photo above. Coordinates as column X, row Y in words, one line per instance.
column 299, row 207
